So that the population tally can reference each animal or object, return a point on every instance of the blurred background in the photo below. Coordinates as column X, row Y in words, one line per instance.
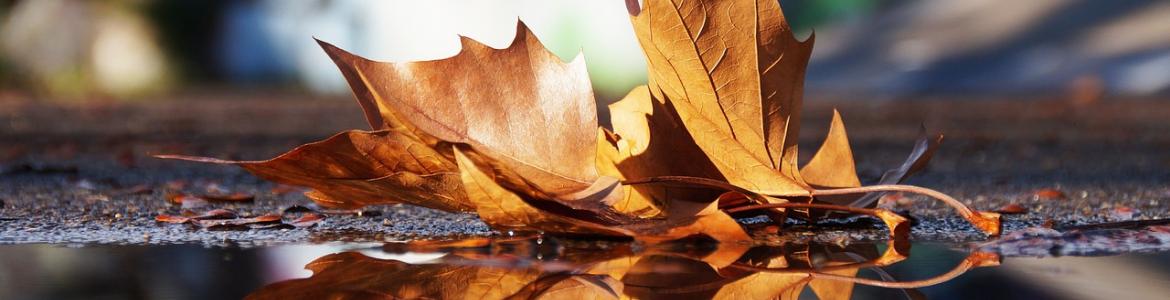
column 89, row 89
column 72, row 50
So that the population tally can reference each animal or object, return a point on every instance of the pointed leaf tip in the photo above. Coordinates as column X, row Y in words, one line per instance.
column 634, row 7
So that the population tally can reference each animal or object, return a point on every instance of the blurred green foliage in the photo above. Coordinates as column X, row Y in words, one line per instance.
column 806, row 15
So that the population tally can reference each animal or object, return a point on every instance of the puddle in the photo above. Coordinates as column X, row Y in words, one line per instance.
column 527, row 268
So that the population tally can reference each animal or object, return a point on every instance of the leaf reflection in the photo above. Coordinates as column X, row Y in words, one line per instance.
column 539, row 268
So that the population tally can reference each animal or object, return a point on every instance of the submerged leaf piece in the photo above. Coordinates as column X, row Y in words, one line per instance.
column 358, row 168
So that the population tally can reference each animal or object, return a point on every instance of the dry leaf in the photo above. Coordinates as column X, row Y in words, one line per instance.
column 171, row 219
column 923, row 150
column 504, row 209
column 282, row 189
column 526, row 108
column 212, row 214
column 306, row 220
column 208, row 223
column 530, row 158
column 734, row 74
column 233, row 197
column 358, row 168
column 832, row 165
column 1049, row 194
column 190, row 202
column 649, row 142
column 227, row 218
column 512, row 134
column 1011, row 209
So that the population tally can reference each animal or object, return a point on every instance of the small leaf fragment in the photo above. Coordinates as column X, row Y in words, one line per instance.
column 1012, row 209
column 209, row 223
column 171, row 219
column 233, row 197
column 306, row 220
column 1049, row 194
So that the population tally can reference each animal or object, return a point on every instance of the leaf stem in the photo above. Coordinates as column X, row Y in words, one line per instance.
column 988, row 222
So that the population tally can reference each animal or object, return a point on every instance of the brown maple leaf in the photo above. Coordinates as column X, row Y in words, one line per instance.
column 509, row 133
column 512, row 134
column 358, row 168
column 731, row 73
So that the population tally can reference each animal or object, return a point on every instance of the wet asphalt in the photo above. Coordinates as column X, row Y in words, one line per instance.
column 82, row 174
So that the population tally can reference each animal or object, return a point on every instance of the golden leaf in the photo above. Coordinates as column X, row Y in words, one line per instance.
column 503, row 209
column 512, row 134
column 358, row 168
column 734, row 74
column 649, row 142
column 832, row 166
column 521, row 106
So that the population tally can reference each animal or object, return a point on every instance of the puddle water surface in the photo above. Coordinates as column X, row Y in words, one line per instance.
column 531, row 268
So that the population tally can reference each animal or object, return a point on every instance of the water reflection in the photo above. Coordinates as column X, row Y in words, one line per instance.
column 530, row 268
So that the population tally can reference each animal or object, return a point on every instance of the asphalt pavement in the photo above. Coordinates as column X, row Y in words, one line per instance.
column 82, row 173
